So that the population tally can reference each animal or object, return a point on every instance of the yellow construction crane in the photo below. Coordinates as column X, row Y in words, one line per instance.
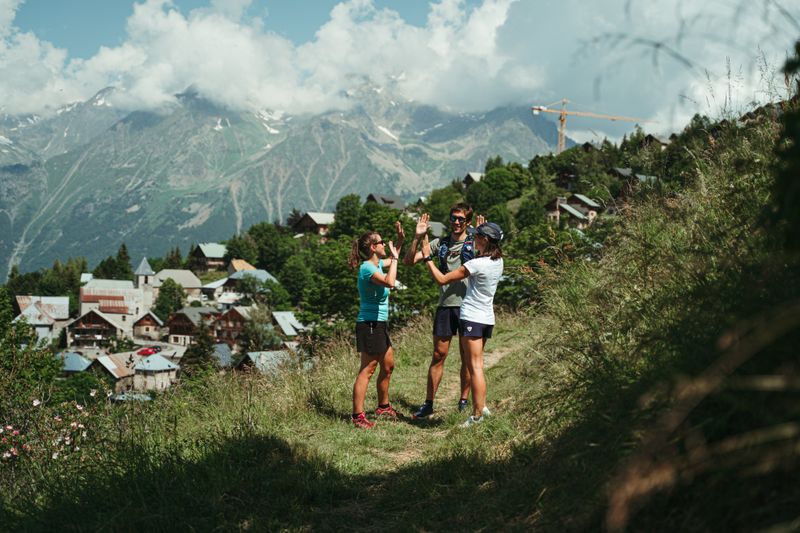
column 562, row 119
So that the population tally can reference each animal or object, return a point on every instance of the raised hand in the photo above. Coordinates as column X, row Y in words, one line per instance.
column 426, row 247
column 401, row 234
column 422, row 225
column 393, row 250
column 479, row 219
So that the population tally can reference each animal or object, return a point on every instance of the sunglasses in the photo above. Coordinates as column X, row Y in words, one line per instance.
column 379, row 242
column 460, row 220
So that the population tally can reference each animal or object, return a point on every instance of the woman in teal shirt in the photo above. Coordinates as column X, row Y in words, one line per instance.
column 369, row 254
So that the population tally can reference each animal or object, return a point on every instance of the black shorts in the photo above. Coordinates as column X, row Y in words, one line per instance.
column 476, row 329
column 372, row 338
column 445, row 321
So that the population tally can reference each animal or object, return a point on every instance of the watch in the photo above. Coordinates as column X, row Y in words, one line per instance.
column 427, row 258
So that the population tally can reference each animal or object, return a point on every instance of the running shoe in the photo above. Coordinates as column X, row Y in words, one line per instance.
column 361, row 422
column 462, row 404
column 386, row 411
column 472, row 421
column 486, row 411
column 425, row 411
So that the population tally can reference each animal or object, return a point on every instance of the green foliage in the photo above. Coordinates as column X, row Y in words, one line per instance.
column 498, row 186
column 347, row 216
column 82, row 387
column 296, row 276
column 118, row 267
column 786, row 193
column 63, row 279
column 27, row 369
column 198, row 358
column 171, row 297
column 275, row 246
column 441, row 200
column 242, row 247
column 258, row 334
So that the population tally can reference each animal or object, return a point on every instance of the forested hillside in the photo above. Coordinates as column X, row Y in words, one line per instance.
column 643, row 375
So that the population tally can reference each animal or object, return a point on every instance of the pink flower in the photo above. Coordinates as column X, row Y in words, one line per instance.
column 9, row 428
column 57, row 418
column 73, row 425
column 81, row 426
column 26, row 447
column 13, row 451
column 16, row 432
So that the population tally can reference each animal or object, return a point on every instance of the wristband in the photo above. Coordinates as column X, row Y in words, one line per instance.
column 426, row 259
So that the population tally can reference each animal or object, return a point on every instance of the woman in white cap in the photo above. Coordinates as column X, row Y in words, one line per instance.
column 477, row 310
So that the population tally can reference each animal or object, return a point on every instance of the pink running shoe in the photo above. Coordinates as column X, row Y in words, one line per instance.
column 361, row 422
column 386, row 411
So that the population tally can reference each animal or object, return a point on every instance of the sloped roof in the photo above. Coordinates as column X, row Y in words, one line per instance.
column 104, row 316
column 288, row 323
column 185, row 278
column 215, row 284
column 585, row 199
column 268, row 361
column 119, row 365
column 57, row 307
column 474, row 176
column 86, row 277
column 241, row 264
column 213, row 250
column 155, row 363
column 260, row 275
column 152, row 314
column 645, row 178
column 144, row 269
column 323, row 219
column 626, row 172
column 73, row 362
column 35, row 316
column 437, row 228
column 109, row 284
column 195, row 314
column 390, row 200
column 572, row 211
column 223, row 355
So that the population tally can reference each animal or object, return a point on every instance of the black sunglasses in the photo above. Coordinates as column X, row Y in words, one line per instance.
column 454, row 218
column 379, row 242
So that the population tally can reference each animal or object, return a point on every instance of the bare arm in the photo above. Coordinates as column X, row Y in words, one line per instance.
column 442, row 279
column 388, row 279
column 412, row 256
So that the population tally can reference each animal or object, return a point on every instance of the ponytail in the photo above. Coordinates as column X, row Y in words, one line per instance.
column 360, row 250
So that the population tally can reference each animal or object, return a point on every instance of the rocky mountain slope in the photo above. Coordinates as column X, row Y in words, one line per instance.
column 90, row 177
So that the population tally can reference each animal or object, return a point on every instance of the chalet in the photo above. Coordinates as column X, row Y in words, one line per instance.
column 148, row 326
column 73, row 362
column 576, row 211
column 213, row 290
column 655, row 140
column 191, row 284
column 267, row 362
column 287, row 323
column 317, row 223
column 208, row 256
column 237, row 265
column 183, row 324
column 228, row 328
column 472, row 177
column 232, row 283
column 566, row 180
column 631, row 180
column 154, row 373
column 389, row 200
column 584, row 203
column 117, row 298
column 94, row 329
column 120, row 367
column 47, row 315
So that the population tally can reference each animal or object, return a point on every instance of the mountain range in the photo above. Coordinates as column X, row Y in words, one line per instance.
column 82, row 180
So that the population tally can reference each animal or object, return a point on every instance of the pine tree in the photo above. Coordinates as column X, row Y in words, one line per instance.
column 199, row 355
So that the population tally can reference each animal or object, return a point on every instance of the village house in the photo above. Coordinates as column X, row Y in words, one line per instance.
column 266, row 362
column 389, row 200
column 228, row 328
column 232, row 283
column 631, row 181
column 121, row 299
column 120, row 367
column 237, row 265
column 472, row 177
column 148, row 326
column 578, row 211
column 317, row 223
column 94, row 329
column 155, row 373
column 288, row 324
column 47, row 315
column 72, row 363
column 213, row 290
column 655, row 140
column 208, row 256
column 223, row 356
column 183, row 324
column 191, row 284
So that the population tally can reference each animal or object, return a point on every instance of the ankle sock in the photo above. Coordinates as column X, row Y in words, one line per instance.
column 356, row 415
column 429, row 402
column 383, row 405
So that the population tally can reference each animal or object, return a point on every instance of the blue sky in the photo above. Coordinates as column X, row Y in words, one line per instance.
column 715, row 57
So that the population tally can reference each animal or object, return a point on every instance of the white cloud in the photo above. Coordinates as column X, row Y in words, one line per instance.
column 500, row 52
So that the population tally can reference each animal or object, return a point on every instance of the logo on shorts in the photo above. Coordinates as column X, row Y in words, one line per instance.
column 469, row 328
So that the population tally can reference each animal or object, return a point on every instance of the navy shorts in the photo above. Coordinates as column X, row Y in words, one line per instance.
column 445, row 321
column 476, row 329
column 372, row 338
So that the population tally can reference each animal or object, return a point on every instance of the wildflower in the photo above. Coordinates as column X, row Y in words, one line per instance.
column 37, row 403
column 79, row 407
column 6, row 455
column 73, row 425
column 93, row 393
column 9, row 428
column 108, row 394
column 57, row 418
column 13, row 451
column 55, row 455
column 83, row 434
column 16, row 432
column 81, row 426
column 26, row 447
column 77, row 448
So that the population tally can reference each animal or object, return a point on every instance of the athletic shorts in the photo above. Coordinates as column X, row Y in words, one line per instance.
column 475, row 329
column 445, row 321
column 372, row 338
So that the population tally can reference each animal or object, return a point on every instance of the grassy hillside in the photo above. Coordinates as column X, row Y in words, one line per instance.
column 652, row 389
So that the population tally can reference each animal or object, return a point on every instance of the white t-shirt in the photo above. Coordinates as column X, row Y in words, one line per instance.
column 484, row 274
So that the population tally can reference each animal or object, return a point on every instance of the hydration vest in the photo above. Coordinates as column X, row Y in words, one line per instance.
column 467, row 251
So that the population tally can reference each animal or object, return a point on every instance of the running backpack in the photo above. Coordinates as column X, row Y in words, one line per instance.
column 467, row 251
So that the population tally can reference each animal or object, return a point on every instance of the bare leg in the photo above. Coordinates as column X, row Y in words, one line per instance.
column 473, row 346
column 441, row 346
column 465, row 375
column 368, row 366
column 385, row 375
